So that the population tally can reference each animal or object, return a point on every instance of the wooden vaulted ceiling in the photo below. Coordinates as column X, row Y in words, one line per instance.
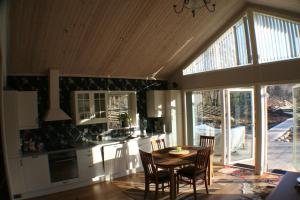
column 111, row 38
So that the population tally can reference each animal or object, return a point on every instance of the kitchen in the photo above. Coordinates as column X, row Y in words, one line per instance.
column 87, row 84
column 80, row 138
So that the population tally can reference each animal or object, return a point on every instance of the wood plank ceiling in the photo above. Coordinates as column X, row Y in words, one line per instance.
column 109, row 38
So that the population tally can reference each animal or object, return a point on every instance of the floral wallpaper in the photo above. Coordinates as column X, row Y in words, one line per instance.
column 55, row 135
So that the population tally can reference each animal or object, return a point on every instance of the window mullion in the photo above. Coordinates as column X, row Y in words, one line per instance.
column 252, row 36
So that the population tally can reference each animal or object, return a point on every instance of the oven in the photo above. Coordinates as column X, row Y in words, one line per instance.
column 63, row 166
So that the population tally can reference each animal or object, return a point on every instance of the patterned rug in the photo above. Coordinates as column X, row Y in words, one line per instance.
column 229, row 183
column 253, row 187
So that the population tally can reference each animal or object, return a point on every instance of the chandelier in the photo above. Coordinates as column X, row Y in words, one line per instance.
column 195, row 5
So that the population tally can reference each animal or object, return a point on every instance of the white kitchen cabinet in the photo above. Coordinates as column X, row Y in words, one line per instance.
column 133, row 157
column 155, row 103
column 20, row 112
column 115, row 160
column 84, row 160
column 89, row 107
column 28, row 109
column 11, row 125
column 36, row 172
column 173, row 118
column 145, row 144
column 90, row 163
column 15, row 175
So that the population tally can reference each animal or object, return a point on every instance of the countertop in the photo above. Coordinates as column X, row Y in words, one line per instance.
column 91, row 144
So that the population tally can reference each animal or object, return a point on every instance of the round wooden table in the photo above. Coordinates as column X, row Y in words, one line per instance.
column 164, row 160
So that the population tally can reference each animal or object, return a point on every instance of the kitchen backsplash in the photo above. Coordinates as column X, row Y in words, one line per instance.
column 54, row 134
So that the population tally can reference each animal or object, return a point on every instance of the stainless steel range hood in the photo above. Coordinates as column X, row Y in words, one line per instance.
column 54, row 113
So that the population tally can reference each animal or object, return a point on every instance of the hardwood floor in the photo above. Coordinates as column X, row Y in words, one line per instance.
column 224, row 187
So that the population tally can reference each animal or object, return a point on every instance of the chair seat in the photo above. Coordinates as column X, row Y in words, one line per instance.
column 162, row 176
column 191, row 172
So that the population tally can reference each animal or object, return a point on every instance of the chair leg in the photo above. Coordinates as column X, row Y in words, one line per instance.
column 205, row 181
column 163, row 187
column 146, row 189
column 195, row 191
column 177, row 184
column 156, row 191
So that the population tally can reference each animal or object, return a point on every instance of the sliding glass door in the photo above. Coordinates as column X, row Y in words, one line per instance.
column 207, row 119
column 240, row 125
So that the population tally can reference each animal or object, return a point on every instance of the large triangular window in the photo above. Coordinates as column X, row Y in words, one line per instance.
column 230, row 50
column 276, row 39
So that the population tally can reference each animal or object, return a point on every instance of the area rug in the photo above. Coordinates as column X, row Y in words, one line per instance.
column 253, row 187
column 186, row 192
column 232, row 182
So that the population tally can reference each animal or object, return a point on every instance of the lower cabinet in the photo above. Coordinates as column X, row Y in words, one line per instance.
column 28, row 174
column 115, row 160
column 133, row 157
column 16, row 177
column 36, row 173
column 90, row 163
column 145, row 144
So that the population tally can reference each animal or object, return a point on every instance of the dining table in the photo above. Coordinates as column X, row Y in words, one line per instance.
column 164, row 159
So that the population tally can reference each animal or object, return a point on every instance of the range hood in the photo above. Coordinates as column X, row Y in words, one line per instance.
column 55, row 113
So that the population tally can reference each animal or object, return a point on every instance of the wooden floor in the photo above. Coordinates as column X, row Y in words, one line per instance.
column 114, row 190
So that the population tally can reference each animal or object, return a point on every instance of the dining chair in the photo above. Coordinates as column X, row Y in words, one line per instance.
column 152, row 174
column 207, row 141
column 196, row 171
column 158, row 144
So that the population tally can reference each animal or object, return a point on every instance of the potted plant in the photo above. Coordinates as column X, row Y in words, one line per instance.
column 125, row 119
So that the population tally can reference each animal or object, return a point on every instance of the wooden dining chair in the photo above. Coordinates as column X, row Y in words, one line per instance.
column 152, row 175
column 158, row 144
column 209, row 141
column 196, row 171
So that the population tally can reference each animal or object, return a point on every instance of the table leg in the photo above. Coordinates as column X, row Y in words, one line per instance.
column 172, row 184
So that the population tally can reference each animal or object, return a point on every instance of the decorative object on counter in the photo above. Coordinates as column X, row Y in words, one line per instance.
column 125, row 120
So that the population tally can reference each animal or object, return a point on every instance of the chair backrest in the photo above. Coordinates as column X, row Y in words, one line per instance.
column 158, row 144
column 202, row 158
column 207, row 141
column 148, row 163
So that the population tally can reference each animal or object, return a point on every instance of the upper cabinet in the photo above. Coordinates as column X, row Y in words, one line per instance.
column 156, row 103
column 121, row 102
column 89, row 107
column 20, row 112
column 28, row 109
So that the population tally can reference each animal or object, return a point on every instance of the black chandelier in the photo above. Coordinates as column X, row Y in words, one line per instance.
column 195, row 5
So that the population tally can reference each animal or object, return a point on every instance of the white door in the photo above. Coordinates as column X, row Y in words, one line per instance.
column 240, row 125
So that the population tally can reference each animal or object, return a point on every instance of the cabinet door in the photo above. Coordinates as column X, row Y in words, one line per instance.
column 99, row 100
column 28, row 110
column 84, row 160
column 145, row 145
column 83, row 108
column 156, row 103
column 115, row 160
column 97, row 161
column 16, row 177
column 11, row 131
column 89, row 107
column 133, row 156
column 36, row 172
